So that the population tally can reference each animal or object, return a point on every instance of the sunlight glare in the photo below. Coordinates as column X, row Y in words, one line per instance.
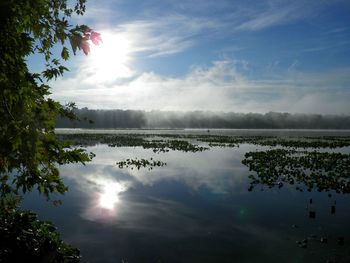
column 109, row 60
column 109, row 196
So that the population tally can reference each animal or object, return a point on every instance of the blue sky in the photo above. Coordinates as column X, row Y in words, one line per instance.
column 242, row 56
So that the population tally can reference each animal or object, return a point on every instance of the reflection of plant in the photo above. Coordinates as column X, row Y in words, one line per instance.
column 323, row 170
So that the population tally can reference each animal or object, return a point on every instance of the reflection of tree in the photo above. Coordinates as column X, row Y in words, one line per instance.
column 322, row 170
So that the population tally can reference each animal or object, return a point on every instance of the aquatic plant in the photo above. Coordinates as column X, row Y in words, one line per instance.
column 273, row 141
column 322, row 170
column 133, row 140
column 138, row 163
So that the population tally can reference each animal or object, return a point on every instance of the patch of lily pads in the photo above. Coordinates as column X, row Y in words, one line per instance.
column 140, row 163
column 180, row 142
column 292, row 160
column 133, row 140
column 273, row 141
column 305, row 169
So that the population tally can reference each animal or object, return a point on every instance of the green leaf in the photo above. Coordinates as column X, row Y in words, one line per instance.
column 75, row 41
column 65, row 53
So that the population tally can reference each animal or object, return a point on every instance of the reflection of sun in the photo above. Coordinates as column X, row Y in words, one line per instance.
column 108, row 60
column 109, row 196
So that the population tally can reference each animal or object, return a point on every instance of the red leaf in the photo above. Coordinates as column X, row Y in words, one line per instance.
column 95, row 38
column 84, row 45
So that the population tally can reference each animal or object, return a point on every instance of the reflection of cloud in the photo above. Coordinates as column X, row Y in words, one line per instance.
column 109, row 196
column 218, row 170
column 104, row 203
column 169, row 213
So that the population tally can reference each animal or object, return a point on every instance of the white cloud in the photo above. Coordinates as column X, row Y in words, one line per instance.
column 163, row 36
column 218, row 88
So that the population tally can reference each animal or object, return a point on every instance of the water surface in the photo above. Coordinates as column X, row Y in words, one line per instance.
column 194, row 209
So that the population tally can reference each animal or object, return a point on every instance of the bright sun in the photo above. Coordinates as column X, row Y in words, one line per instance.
column 109, row 60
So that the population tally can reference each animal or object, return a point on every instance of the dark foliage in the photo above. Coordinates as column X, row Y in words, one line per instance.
column 30, row 152
column 24, row 238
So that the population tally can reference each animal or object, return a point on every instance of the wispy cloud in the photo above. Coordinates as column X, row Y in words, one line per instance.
column 185, row 25
column 165, row 35
column 267, row 19
column 273, row 13
column 326, row 46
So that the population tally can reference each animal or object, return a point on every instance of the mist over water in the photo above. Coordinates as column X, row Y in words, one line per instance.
column 202, row 119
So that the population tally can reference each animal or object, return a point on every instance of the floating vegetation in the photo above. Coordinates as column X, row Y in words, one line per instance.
column 139, row 163
column 322, row 170
column 175, row 145
column 292, row 160
column 273, row 141
column 180, row 141
column 112, row 140
column 133, row 140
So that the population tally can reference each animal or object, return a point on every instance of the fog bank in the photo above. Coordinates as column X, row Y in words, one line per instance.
column 202, row 119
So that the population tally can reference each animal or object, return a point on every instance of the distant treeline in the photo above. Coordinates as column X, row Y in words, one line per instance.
column 202, row 119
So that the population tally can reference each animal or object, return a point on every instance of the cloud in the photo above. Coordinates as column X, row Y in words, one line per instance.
column 102, row 177
column 219, row 87
column 165, row 35
column 155, row 35
column 163, row 29
column 268, row 19
column 276, row 12
column 226, row 85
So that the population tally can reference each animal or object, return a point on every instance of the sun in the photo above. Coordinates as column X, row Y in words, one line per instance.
column 110, row 60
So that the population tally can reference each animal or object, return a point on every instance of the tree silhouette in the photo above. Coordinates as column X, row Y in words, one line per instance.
column 29, row 150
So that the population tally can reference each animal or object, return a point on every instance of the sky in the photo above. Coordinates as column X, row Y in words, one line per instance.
column 222, row 55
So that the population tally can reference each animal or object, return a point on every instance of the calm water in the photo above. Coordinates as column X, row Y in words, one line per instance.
column 195, row 209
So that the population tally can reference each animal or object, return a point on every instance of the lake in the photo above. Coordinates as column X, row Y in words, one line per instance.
column 197, row 207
